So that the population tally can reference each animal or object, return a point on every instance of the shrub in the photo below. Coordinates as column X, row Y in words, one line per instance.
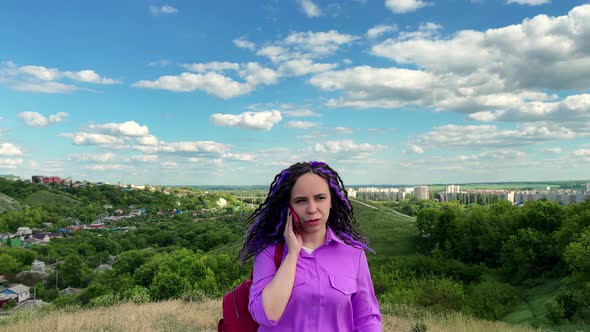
column 555, row 312
column 65, row 300
column 419, row 327
column 105, row 300
column 491, row 299
column 193, row 295
column 441, row 293
column 137, row 295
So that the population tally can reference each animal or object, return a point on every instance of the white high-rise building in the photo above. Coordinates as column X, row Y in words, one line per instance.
column 453, row 189
column 588, row 187
column 421, row 192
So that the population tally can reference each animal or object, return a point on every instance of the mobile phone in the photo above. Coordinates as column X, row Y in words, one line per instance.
column 296, row 224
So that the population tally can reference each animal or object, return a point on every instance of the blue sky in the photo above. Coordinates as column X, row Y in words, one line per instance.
column 231, row 92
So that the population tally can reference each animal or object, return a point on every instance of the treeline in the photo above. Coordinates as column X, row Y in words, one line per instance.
column 88, row 203
column 161, row 260
column 540, row 239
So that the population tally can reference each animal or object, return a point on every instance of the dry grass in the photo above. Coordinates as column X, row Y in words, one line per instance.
column 181, row 316
column 162, row 316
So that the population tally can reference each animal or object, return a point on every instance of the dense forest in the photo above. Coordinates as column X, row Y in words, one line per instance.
column 477, row 259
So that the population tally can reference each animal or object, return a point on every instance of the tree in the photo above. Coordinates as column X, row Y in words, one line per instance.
column 8, row 264
column 168, row 285
column 521, row 252
column 71, row 271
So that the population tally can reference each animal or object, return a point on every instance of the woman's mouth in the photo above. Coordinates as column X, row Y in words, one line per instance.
column 313, row 222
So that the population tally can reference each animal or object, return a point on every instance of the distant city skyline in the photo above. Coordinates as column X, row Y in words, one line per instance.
column 411, row 92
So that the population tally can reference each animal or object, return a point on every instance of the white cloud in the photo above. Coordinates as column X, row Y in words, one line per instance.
column 10, row 163
column 485, row 116
column 501, row 154
column 52, row 74
column 528, row 2
column 128, row 128
column 165, row 9
column 198, row 147
column 40, row 72
column 211, row 66
column 244, row 43
column 212, row 83
column 347, row 146
column 300, row 113
column 9, row 149
column 378, row 87
column 103, row 157
column 378, row 30
column 160, row 63
column 344, row 130
column 488, row 135
column 34, row 119
column 109, row 167
column 248, row 120
column 540, row 53
column 255, row 74
column 240, row 156
column 302, row 124
column 45, row 87
column 145, row 158
column 572, row 112
column 404, row 6
column 276, row 53
column 553, row 150
column 45, row 80
column 309, row 8
column 299, row 67
column 88, row 76
column 168, row 165
column 318, row 43
column 147, row 140
column 582, row 152
column 81, row 138
column 416, row 149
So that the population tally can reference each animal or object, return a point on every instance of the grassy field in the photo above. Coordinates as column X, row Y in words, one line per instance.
column 533, row 307
column 43, row 197
column 172, row 316
column 8, row 203
column 389, row 234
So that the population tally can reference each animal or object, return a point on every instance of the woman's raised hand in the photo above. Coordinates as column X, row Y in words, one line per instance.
column 293, row 240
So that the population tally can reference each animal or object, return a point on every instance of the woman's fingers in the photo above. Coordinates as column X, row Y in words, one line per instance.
column 289, row 225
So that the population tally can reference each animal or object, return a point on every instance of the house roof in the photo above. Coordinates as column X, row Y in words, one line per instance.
column 19, row 289
column 40, row 236
column 30, row 304
column 70, row 290
column 4, row 297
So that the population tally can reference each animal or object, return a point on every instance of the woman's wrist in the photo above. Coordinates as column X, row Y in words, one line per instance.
column 293, row 253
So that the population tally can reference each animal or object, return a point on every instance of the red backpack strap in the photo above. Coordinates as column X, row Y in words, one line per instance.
column 278, row 257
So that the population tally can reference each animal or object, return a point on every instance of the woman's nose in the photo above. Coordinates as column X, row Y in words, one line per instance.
column 311, row 207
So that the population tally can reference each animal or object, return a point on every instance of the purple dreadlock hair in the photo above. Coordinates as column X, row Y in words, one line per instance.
column 267, row 222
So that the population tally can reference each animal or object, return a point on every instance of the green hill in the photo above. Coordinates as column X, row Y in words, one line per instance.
column 45, row 197
column 389, row 234
column 8, row 203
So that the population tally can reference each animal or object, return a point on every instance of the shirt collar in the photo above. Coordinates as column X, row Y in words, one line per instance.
column 330, row 235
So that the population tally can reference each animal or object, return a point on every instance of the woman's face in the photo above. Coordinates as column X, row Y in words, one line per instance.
column 310, row 198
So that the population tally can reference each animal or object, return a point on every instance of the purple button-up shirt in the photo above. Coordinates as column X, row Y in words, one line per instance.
column 333, row 290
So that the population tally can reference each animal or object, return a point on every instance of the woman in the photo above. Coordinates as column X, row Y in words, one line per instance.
column 323, row 282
